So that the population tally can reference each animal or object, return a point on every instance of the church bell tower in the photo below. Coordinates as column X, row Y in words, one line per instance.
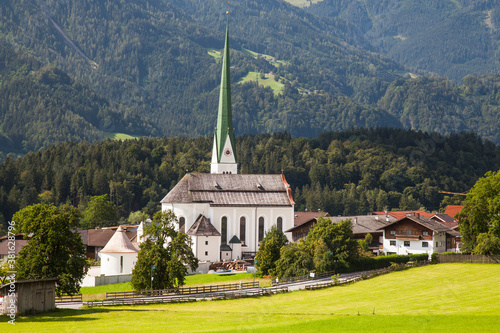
column 223, row 153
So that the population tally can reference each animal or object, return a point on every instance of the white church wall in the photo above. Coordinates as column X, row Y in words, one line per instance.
column 270, row 214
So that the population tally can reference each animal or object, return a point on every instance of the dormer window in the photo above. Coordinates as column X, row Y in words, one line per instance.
column 259, row 186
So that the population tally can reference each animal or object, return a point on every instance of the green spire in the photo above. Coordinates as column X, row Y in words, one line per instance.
column 224, row 117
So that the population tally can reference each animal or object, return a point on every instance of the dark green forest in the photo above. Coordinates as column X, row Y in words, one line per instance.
column 80, row 70
column 450, row 38
column 350, row 172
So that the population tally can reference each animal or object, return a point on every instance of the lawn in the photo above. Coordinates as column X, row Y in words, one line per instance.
column 436, row 298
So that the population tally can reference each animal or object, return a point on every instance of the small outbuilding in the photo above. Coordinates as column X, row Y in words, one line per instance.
column 119, row 255
column 28, row 296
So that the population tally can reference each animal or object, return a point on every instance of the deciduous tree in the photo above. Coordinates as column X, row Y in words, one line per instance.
column 54, row 250
column 165, row 256
column 481, row 212
column 99, row 212
column 269, row 250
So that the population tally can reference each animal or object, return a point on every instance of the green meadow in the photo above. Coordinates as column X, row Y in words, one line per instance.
column 267, row 81
column 436, row 298
column 119, row 136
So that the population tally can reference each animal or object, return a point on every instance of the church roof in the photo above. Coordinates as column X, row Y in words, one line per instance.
column 202, row 227
column 119, row 243
column 231, row 190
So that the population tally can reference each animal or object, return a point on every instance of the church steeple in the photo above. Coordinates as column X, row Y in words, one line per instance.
column 223, row 154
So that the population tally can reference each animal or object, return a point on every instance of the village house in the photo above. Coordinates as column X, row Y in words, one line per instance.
column 303, row 222
column 416, row 234
column 19, row 242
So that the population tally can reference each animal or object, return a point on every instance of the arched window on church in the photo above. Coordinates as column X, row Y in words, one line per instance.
column 182, row 221
column 223, row 230
column 279, row 223
column 261, row 228
column 243, row 229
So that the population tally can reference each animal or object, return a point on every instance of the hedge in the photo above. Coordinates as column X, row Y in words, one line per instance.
column 369, row 263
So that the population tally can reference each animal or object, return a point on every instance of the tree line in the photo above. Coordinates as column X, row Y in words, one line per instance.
column 344, row 173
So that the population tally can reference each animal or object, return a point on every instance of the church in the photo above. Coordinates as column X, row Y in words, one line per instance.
column 227, row 214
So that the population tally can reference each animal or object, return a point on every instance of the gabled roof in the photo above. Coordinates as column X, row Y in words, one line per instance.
column 453, row 210
column 202, row 227
column 234, row 240
column 363, row 224
column 101, row 237
column 399, row 214
column 426, row 222
column 445, row 219
column 302, row 217
column 119, row 243
column 231, row 190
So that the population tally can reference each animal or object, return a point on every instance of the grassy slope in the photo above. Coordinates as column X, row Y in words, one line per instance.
column 446, row 297
column 119, row 136
column 268, row 81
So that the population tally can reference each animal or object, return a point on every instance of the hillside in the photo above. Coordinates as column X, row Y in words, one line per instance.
column 450, row 38
column 41, row 106
column 151, row 68
column 344, row 173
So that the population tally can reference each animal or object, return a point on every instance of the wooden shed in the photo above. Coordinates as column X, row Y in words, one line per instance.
column 29, row 296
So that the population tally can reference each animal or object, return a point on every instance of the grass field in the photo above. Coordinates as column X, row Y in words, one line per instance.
column 302, row 3
column 119, row 136
column 437, row 298
column 268, row 81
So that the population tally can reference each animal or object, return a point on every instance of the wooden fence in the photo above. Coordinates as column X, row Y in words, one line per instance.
column 303, row 278
column 191, row 298
column 69, row 298
column 181, row 291
column 468, row 258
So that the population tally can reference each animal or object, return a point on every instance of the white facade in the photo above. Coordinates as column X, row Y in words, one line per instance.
column 117, row 263
column 206, row 248
column 403, row 247
column 252, row 215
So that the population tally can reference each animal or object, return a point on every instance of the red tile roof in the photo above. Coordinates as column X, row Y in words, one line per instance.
column 453, row 210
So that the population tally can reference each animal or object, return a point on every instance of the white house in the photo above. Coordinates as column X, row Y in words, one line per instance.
column 119, row 255
column 416, row 234
column 245, row 206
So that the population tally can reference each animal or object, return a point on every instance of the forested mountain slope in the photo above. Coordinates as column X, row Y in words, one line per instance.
column 451, row 38
column 41, row 106
column 351, row 172
column 148, row 67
